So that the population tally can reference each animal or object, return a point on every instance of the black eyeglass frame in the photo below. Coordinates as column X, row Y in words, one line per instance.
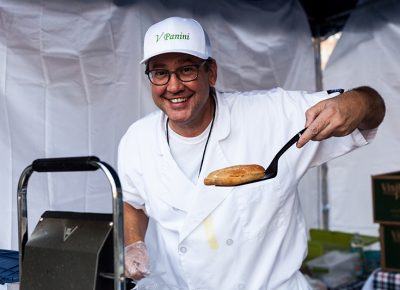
column 197, row 66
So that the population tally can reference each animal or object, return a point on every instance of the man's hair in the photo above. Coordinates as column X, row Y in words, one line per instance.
column 206, row 65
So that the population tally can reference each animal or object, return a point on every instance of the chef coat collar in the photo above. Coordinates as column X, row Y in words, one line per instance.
column 214, row 158
column 220, row 131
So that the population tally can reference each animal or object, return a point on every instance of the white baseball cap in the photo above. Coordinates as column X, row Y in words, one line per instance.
column 176, row 34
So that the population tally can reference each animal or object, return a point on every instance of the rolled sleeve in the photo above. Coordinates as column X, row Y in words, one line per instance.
column 127, row 174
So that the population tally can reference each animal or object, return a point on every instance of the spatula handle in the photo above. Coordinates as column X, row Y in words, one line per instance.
column 290, row 143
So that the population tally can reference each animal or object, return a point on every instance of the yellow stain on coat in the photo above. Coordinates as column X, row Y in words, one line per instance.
column 210, row 233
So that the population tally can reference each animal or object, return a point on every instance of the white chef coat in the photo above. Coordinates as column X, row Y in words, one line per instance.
column 247, row 237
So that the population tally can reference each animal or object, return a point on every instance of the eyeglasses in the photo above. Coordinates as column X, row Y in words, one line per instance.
column 187, row 73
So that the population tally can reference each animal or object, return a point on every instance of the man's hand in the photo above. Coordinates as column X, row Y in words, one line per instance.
column 136, row 261
column 361, row 108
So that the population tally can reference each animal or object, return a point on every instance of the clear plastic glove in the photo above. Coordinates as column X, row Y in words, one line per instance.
column 136, row 261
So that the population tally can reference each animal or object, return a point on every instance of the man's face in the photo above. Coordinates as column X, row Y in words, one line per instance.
column 187, row 104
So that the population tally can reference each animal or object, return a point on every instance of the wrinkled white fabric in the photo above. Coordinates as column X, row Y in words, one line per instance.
column 252, row 236
column 71, row 83
column 367, row 53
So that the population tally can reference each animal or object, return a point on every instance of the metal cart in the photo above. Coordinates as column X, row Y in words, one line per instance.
column 66, row 246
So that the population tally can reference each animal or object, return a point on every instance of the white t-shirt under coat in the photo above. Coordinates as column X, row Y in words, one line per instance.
column 188, row 151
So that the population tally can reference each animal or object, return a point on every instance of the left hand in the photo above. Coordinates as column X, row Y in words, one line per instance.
column 339, row 116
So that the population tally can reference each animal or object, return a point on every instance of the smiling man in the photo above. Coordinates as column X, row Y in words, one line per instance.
column 204, row 237
column 181, row 89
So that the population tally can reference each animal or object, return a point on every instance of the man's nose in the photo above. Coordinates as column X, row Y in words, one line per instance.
column 174, row 83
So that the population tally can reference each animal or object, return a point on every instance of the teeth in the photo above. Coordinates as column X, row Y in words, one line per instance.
column 178, row 100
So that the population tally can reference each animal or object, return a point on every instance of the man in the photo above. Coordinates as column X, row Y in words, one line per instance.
column 206, row 237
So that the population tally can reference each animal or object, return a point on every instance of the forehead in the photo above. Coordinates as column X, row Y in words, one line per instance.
column 172, row 59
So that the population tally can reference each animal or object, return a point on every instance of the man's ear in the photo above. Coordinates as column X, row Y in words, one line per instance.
column 212, row 74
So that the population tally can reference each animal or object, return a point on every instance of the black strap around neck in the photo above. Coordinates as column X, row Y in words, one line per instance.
column 208, row 137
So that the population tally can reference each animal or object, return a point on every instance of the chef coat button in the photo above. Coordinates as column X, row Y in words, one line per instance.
column 183, row 250
column 229, row 242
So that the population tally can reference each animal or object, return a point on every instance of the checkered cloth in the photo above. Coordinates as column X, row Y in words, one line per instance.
column 386, row 280
column 9, row 266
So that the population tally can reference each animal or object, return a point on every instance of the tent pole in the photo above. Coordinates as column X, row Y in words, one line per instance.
column 322, row 170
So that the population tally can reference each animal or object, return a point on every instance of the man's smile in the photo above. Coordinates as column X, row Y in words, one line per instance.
column 178, row 100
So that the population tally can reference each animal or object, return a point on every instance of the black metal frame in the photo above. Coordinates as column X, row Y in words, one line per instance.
column 87, row 163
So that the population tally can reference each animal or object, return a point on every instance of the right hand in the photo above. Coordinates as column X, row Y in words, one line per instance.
column 136, row 261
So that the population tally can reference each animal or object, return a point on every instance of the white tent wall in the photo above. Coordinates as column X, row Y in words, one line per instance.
column 367, row 53
column 71, row 84
column 65, row 75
